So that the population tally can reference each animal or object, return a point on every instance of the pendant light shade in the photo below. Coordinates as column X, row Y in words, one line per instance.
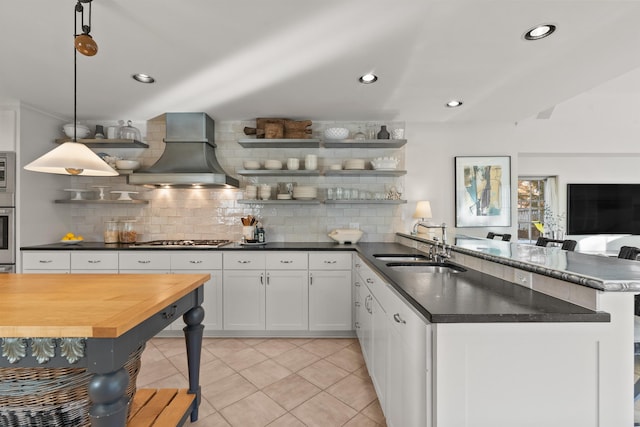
column 72, row 158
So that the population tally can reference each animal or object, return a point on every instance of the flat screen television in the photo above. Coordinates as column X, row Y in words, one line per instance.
column 603, row 208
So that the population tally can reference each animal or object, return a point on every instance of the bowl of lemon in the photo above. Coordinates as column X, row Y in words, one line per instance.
column 71, row 239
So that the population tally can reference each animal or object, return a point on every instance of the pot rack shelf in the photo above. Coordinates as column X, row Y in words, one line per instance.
column 316, row 143
column 103, row 202
column 107, row 143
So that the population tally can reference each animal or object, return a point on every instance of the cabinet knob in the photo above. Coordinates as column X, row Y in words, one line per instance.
column 369, row 280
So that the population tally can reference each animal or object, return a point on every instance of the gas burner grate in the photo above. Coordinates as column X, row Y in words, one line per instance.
column 182, row 243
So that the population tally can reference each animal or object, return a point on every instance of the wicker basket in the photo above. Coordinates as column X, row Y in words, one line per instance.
column 52, row 397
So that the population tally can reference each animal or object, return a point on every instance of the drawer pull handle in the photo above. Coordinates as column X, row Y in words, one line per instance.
column 357, row 265
column 170, row 313
column 357, row 325
column 282, row 261
column 262, row 278
column 357, row 303
column 243, row 262
column 399, row 319
column 369, row 280
column 94, row 261
column 357, row 284
column 195, row 262
column 143, row 261
column 45, row 261
column 330, row 262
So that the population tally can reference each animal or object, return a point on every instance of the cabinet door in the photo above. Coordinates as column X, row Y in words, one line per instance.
column 287, row 300
column 243, row 300
column 330, row 300
column 212, row 303
column 379, row 347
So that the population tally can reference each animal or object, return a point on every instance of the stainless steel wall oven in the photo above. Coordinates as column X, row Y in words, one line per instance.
column 7, row 212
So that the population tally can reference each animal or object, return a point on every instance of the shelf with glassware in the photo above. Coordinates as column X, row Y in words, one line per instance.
column 100, row 202
column 107, row 143
column 317, row 202
column 328, row 172
column 317, row 143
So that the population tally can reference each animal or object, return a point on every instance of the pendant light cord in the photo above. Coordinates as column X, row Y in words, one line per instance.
column 75, row 72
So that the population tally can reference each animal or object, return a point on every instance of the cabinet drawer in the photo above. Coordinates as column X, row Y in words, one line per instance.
column 136, row 260
column 329, row 261
column 240, row 260
column 54, row 260
column 94, row 260
column 189, row 260
column 287, row 260
column 407, row 322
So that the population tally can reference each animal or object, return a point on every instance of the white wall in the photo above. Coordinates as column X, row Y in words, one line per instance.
column 39, row 220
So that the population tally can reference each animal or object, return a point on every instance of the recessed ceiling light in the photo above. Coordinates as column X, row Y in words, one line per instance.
column 453, row 103
column 539, row 32
column 368, row 78
column 143, row 78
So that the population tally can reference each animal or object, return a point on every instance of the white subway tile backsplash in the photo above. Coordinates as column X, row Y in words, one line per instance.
column 207, row 213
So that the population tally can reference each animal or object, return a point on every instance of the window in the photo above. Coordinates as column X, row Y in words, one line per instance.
column 531, row 204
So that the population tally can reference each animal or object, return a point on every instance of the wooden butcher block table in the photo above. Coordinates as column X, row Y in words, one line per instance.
column 96, row 322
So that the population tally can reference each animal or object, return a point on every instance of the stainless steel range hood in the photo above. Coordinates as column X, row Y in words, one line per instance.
column 189, row 158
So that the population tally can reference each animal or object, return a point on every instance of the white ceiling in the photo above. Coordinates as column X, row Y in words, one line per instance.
column 242, row 59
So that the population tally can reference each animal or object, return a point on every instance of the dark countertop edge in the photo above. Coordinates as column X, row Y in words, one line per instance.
column 322, row 246
column 587, row 281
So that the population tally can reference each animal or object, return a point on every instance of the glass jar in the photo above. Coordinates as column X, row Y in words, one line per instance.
column 111, row 232
column 128, row 232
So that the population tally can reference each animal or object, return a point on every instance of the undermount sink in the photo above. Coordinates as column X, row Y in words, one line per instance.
column 401, row 257
column 425, row 267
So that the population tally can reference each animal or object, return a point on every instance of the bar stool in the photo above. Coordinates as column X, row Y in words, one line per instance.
column 505, row 237
column 566, row 245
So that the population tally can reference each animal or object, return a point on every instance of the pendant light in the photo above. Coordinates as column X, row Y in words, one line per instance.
column 74, row 158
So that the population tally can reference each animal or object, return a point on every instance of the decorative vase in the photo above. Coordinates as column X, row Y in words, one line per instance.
column 384, row 133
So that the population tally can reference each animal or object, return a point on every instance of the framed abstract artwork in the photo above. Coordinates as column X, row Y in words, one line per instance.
column 483, row 191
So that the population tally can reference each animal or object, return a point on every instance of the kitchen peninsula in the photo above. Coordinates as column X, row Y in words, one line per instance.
column 502, row 337
column 94, row 324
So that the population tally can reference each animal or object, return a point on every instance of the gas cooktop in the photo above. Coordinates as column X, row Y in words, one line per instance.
column 173, row 244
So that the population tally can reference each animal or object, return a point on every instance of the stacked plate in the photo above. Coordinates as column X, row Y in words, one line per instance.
column 354, row 164
column 273, row 164
column 302, row 192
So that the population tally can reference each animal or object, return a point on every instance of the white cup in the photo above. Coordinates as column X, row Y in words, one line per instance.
column 265, row 192
column 310, row 162
column 251, row 192
column 293, row 163
column 112, row 132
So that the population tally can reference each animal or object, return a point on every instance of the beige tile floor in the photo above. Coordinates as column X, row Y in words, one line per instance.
column 274, row 382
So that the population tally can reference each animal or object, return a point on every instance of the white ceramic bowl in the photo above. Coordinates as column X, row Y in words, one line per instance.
column 343, row 235
column 251, row 164
column 273, row 164
column 81, row 130
column 336, row 133
column 127, row 164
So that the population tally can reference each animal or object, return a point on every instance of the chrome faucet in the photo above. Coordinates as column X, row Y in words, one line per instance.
column 435, row 253
column 442, row 227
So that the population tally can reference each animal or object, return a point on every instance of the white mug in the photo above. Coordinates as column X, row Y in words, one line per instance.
column 293, row 163
column 265, row 192
column 310, row 162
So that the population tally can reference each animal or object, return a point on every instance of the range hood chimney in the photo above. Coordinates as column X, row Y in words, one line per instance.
column 189, row 158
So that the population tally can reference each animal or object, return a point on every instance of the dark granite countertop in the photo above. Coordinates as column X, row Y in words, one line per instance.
column 467, row 297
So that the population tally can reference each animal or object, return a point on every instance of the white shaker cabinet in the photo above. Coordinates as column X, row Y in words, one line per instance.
column 287, row 293
column 205, row 262
column 46, row 262
column 330, row 294
column 266, row 290
column 243, row 291
column 94, row 262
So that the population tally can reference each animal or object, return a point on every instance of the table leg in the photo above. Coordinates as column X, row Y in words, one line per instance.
column 107, row 392
column 193, row 337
